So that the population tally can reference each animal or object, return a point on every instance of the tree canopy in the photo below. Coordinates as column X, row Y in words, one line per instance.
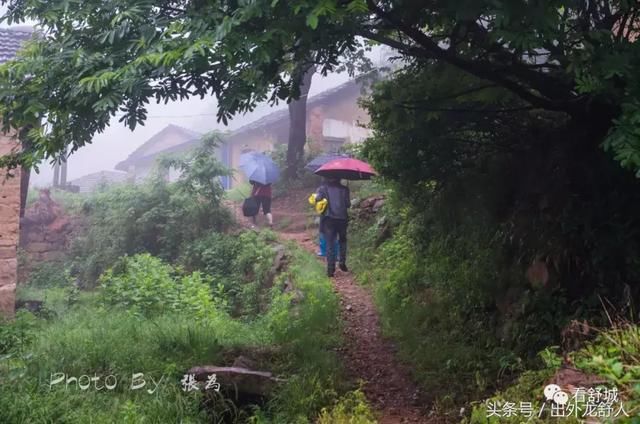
column 99, row 58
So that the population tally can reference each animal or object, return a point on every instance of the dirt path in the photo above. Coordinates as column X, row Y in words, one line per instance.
column 366, row 355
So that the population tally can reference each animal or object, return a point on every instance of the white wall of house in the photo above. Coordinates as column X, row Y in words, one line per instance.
column 349, row 131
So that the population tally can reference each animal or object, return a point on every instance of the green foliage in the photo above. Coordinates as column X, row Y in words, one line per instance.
column 528, row 388
column 147, row 286
column 17, row 333
column 465, row 321
column 352, row 408
column 143, row 51
column 615, row 356
column 238, row 264
column 304, row 320
column 624, row 139
column 156, row 217
column 98, row 59
column 475, row 171
column 611, row 356
column 239, row 193
column 90, row 338
column 96, row 342
column 50, row 274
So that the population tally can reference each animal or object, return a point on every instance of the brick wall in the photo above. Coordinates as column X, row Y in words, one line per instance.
column 9, row 231
column 45, row 234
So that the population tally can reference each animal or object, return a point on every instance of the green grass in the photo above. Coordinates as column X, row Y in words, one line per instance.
column 84, row 337
column 455, row 356
column 614, row 356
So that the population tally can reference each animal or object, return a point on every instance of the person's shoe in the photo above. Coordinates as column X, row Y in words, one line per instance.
column 343, row 267
column 330, row 272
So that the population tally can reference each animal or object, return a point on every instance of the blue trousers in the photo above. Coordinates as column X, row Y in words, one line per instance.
column 323, row 245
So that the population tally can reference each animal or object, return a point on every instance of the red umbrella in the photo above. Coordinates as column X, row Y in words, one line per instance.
column 347, row 169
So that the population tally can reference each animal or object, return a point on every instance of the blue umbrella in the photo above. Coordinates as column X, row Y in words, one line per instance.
column 259, row 167
column 320, row 160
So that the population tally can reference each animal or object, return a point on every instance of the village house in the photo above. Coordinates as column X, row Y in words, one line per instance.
column 11, row 195
column 170, row 140
column 334, row 118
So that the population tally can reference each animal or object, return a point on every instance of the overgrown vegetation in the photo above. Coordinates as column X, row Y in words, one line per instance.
column 156, row 217
column 479, row 189
column 507, row 144
column 173, row 285
column 149, row 317
column 612, row 358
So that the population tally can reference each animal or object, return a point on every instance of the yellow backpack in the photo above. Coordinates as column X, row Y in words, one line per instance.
column 320, row 206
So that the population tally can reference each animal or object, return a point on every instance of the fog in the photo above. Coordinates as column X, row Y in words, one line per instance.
column 117, row 141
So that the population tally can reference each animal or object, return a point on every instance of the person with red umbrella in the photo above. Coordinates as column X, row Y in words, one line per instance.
column 336, row 215
column 335, row 221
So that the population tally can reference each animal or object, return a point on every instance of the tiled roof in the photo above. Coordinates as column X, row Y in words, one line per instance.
column 139, row 155
column 11, row 40
column 279, row 118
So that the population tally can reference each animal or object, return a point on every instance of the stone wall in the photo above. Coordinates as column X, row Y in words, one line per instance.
column 9, row 230
column 45, row 234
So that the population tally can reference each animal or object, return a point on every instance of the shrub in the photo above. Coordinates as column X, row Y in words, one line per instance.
column 50, row 274
column 238, row 264
column 352, row 408
column 437, row 287
column 17, row 333
column 147, row 286
column 612, row 356
column 156, row 217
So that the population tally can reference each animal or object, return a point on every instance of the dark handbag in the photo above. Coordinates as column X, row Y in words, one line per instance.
column 250, row 207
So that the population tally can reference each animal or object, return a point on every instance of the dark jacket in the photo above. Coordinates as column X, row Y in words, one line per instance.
column 339, row 200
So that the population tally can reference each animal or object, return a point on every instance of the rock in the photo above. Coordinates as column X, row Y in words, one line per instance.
column 7, row 300
column 287, row 286
column 244, row 362
column 368, row 207
column 33, row 237
column 238, row 380
column 349, row 308
column 298, row 295
column 377, row 204
column 30, row 305
column 569, row 379
column 280, row 259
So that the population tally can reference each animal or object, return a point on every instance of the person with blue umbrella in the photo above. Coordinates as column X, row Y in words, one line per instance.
column 261, row 171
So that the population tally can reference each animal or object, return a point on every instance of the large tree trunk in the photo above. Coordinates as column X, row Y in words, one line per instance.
column 298, row 124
